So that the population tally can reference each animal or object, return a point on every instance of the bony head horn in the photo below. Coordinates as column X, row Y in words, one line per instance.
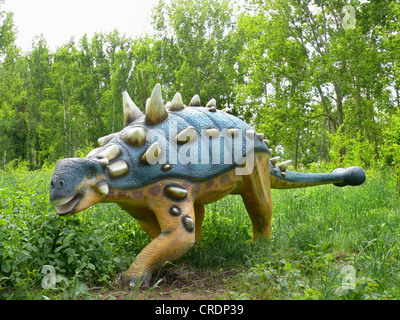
column 131, row 111
column 155, row 109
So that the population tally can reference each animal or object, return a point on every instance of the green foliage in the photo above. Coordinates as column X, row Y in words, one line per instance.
column 321, row 233
column 317, row 234
column 320, row 92
column 33, row 236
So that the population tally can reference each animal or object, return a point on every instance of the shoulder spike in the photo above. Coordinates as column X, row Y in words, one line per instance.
column 195, row 102
column 131, row 111
column 155, row 110
column 93, row 152
column 134, row 136
column 104, row 140
column 241, row 118
column 118, row 169
column 110, row 153
column 176, row 104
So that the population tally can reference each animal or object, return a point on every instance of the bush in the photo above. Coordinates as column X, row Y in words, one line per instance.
column 33, row 236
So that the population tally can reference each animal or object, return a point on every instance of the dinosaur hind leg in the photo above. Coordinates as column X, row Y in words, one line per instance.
column 256, row 196
column 199, row 212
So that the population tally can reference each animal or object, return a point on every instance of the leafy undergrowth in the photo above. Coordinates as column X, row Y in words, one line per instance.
column 328, row 243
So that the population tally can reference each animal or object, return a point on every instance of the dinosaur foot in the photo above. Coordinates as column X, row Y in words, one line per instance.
column 133, row 281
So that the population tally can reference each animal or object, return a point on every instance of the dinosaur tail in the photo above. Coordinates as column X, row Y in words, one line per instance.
column 284, row 179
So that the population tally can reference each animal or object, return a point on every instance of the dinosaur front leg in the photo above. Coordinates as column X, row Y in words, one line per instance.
column 177, row 224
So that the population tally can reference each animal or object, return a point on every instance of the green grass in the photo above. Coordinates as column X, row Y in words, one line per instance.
column 318, row 234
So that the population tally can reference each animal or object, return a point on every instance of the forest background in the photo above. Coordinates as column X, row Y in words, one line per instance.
column 319, row 78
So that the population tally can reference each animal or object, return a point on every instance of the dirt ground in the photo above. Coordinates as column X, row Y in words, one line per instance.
column 179, row 284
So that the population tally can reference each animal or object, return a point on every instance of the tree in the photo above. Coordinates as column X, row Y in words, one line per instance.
column 13, row 127
column 328, row 76
column 196, row 53
column 38, row 81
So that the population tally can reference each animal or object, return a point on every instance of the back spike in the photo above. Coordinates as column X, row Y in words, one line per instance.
column 131, row 111
column 195, row 102
column 275, row 160
column 284, row 165
column 176, row 104
column 155, row 110
column 211, row 103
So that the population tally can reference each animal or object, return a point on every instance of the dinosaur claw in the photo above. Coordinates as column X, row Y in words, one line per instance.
column 132, row 281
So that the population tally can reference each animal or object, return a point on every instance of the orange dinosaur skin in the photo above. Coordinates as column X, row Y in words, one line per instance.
column 151, row 207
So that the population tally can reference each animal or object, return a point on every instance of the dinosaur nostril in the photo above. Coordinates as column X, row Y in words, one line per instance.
column 52, row 184
column 60, row 184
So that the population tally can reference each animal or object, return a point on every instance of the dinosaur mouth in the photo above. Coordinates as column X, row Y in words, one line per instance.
column 69, row 205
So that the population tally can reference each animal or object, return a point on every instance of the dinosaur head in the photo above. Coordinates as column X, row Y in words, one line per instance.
column 77, row 184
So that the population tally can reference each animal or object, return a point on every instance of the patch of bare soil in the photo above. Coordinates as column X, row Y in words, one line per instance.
column 179, row 283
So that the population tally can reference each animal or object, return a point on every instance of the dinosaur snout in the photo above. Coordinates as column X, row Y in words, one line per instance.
column 77, row 183
column 56, row 184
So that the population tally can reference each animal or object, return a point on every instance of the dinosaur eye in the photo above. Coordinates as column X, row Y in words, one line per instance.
column 90, row 175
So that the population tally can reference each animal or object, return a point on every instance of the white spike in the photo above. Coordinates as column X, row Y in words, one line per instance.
column 195, row 102
column 152, row 154
column 93, row 152
column 284, row 165
column 212, row 132
column 155, row 110
column 110, row 153
column 135, row 136
column 211, row 103
column 233, row 132
column 275, row 160
column 228, row 110
column 186, row 135
column 176, row 104
column 102, row 188
column 118, row 169
column 104, row 162
column 131, row 111
column 260, row 136
column 104, row 140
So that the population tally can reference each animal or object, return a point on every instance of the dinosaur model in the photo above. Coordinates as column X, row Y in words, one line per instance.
column 166, row 164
